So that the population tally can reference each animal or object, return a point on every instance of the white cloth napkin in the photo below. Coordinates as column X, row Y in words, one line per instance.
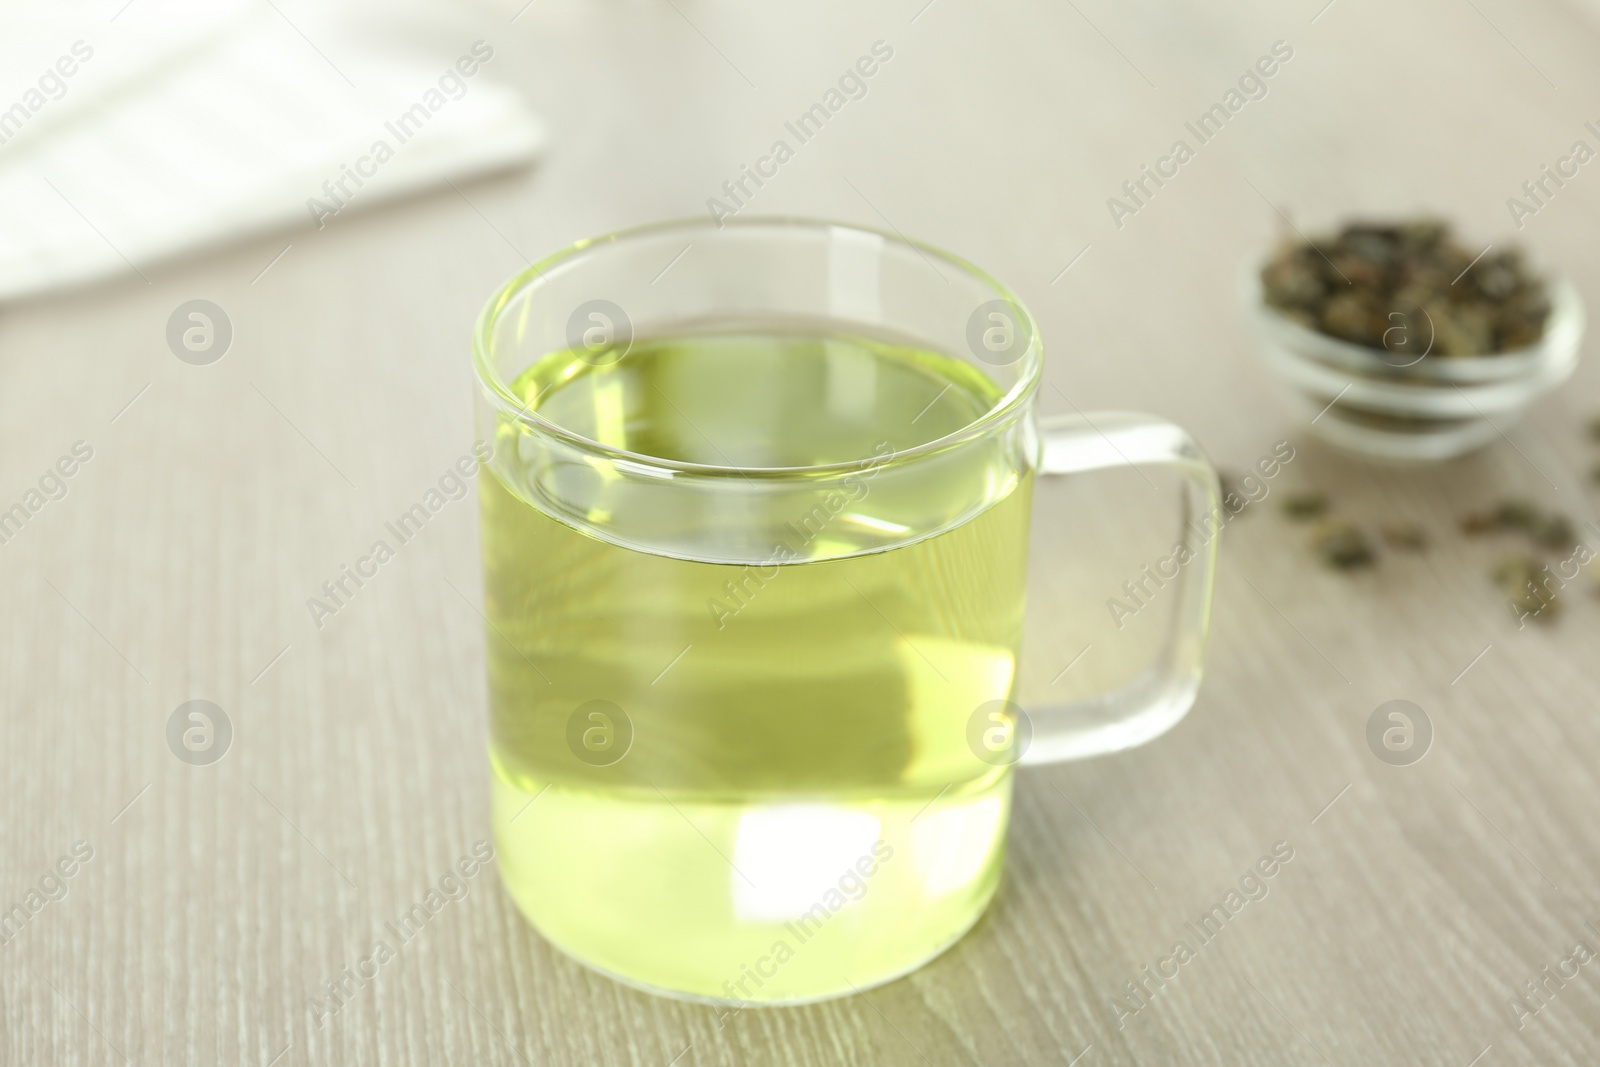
column 181, row 124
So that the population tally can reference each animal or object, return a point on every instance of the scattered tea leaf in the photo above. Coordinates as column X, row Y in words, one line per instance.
column 1554, row 531
column 1516, row 515
column 1342, row 546
column 1523, row 579
column 1306, row 505
column 1551, row 530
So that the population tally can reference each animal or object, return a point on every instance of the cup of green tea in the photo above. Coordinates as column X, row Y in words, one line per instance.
column 755, row 527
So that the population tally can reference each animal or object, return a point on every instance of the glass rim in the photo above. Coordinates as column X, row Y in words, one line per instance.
column 493, row 385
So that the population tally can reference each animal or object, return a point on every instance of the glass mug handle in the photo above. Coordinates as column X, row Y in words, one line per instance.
column 1153, row 702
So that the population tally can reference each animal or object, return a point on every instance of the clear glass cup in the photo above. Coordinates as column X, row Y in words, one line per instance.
column 753, row 726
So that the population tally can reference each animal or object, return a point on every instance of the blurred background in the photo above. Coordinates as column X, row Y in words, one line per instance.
column 159, row 158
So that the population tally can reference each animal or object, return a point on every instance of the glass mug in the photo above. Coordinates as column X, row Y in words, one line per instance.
column 755, row 528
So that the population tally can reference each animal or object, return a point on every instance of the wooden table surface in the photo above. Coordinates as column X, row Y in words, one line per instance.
column 1419, row 900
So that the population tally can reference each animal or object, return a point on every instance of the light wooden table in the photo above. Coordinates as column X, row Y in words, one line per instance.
column 218, row 898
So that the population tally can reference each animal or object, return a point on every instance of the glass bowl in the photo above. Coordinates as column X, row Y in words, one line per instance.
column 1437, row 407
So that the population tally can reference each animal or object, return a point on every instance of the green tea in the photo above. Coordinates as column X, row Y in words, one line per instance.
column 750, row 779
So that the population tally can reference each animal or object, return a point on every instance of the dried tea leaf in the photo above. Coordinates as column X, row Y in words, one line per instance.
column 1423, row 233
column 1448, row 299
column 1459, row 329
column 1516, row 515
column 1343, row 546
column 1351, row 317
column 1305, row 505
column 1292, row 280
column 1525, row 582
column 1554, row 531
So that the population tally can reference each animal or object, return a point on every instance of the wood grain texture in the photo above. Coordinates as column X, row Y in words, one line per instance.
column 219, row 898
